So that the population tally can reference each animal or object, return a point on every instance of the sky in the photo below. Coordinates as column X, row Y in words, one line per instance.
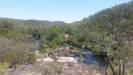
column 54, row 10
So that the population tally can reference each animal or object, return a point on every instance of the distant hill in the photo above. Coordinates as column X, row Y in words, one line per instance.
column 33, row 22
column 108, row 18
column 111, row 17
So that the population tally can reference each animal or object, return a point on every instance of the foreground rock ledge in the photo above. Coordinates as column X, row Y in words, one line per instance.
column 53, row 68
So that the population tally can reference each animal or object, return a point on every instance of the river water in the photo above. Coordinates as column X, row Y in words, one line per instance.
column 89, row 58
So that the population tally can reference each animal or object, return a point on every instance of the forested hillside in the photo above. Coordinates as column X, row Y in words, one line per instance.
column 109, row 31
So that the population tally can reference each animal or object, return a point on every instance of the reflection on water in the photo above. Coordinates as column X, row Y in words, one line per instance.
column 93, row 59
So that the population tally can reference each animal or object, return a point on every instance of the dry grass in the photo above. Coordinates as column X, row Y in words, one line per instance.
column 52, row 68
column 3, row 68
